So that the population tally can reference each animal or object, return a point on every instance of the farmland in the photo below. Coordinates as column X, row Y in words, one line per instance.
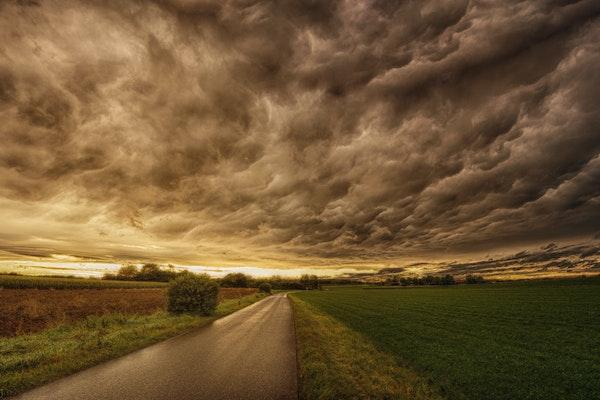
column 31, row 310
column 534, row 340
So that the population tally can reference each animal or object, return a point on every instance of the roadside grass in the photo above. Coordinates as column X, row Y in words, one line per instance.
column 39, row 282
column 526, row 341
column 31, row 360
column 336, row 362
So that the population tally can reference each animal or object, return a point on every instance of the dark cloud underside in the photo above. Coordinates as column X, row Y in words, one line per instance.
column 289, row 132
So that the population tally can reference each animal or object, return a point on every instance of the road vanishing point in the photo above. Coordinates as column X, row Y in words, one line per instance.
column 250, row 354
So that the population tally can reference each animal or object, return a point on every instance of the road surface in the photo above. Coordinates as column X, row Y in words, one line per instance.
column 250, row 354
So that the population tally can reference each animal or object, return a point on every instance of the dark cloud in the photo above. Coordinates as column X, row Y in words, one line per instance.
column 314, row 133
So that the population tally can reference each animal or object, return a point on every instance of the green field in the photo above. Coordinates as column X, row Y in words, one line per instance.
column 524, row 340
column 38, row 282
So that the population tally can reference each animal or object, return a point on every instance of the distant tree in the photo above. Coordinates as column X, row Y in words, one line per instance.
column 264, row 287
column 149, row 272
column 236, row 280
column 474, row 279
column 287, row 284
column 192, row 293
column 448, row 280
column 316, row 283
column 310, row 282
column 307, row 281
column 127, row 273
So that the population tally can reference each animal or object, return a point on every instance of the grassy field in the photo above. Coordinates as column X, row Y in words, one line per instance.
column 525, row 340
column 37, row 282
column 31, row 360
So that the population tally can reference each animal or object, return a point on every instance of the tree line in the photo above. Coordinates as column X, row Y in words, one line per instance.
column 238, row 279
column 443, row 280
column 147, row 272
column 156, row 273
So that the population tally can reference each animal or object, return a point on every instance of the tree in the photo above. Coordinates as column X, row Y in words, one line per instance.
column 236, row 280
column 264, row 287
column 127, row 272
column 192, row 293
column 448, row 280
column 149, row 272
column 310, row 282
column 474, row 279
column 305, row 281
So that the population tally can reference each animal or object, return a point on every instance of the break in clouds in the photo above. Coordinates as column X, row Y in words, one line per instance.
column 313, row 133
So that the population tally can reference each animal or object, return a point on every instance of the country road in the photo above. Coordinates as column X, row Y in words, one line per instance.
column 247, row 355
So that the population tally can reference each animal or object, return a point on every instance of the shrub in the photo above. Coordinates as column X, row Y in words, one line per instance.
column 264, row 287
column 192, row 293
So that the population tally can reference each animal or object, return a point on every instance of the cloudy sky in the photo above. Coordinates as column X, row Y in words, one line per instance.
column 300, row 134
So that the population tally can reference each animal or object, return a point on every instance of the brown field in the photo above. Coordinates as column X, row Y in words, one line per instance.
column 31, row 310
column 235, row 293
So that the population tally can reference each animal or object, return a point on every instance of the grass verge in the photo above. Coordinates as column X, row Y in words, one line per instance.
column 336, row 362
column 31, row 360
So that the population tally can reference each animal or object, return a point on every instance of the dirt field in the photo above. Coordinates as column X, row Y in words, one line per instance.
column 234, row 293
column 31, row 310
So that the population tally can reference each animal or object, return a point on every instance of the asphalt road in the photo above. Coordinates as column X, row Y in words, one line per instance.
column 247, row 355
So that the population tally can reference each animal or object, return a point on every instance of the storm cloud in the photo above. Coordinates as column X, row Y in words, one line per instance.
column 314, row 133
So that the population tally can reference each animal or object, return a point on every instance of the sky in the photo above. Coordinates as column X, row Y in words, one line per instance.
column 344, row 136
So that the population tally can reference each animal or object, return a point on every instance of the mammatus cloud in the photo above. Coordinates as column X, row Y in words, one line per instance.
column 290, row 133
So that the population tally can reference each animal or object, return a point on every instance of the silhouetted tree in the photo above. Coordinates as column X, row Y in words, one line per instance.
column 474, row 279
column 448, row 280
column 310, row 282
